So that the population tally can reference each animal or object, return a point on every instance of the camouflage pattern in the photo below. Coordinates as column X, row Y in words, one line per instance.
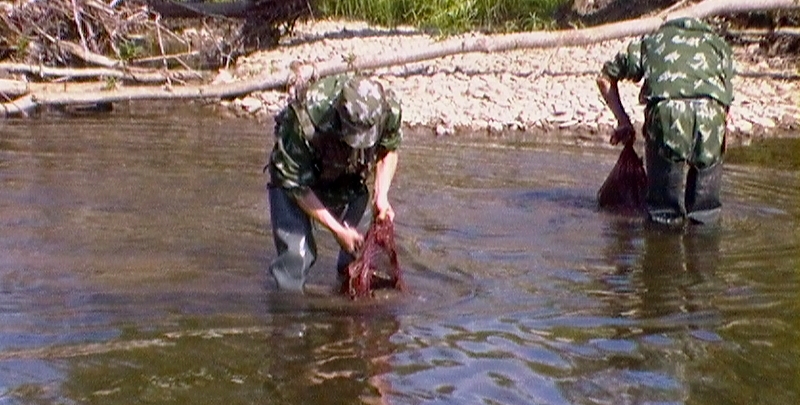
column 683, row 60
column 361, row 109
column 668, row 122
column 309, row 152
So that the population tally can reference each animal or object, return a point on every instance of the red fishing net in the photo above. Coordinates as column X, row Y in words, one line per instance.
column 364, row 275
column 626, row 185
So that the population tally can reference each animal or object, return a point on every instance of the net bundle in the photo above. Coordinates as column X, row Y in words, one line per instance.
column 625, row 187
column 363, row 275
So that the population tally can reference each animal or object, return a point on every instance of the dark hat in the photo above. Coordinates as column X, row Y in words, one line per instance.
column 361, row 108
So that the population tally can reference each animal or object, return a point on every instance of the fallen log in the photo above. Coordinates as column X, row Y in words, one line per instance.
column 230, row 9
column 83, row 53
column 22, row 106
column 12, row 88
column 761, row 33
column 486, row 44
column 131, row 75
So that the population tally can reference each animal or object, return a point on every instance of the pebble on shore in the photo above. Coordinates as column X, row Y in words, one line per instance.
column 540, row 91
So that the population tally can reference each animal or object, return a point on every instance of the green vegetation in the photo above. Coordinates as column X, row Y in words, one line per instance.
column 448, row 16
column 129, row 50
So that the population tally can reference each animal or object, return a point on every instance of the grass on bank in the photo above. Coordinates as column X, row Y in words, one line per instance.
column 448, row 16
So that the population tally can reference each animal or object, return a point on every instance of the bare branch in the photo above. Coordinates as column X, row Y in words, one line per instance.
column 77, row 15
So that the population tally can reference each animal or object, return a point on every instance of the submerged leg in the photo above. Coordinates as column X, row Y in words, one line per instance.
column 294, row 241
column 705, row 175
column 665, row 189
column 702, row 194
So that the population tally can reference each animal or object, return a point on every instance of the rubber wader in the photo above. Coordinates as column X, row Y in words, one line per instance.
column 673, row 195
column 294, row 239
column 702, row 194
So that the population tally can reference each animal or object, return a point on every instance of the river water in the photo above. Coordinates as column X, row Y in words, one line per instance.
column 134, row 248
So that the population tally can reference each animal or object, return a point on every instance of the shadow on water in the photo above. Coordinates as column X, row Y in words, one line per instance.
column 133, row 270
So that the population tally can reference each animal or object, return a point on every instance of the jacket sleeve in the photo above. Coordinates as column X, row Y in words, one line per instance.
column 627, row 64
column 292, row 165
column 729, row 69
column 392, row 132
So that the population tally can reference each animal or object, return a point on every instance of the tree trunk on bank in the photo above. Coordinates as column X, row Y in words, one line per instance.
column 232, row 9
column 596, row 12
column 497, row 43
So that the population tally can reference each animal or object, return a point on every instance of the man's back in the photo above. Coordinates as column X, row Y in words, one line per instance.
column 686, row 59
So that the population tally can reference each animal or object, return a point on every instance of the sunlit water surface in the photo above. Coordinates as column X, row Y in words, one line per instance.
column 134, row 250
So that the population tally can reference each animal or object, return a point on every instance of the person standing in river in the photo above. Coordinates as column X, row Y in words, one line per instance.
column 686, row 69
column 330, row 138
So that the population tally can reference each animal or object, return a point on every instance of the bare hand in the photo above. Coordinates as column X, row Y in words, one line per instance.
column 623, row 134
column 350, row 239
column 384, row 210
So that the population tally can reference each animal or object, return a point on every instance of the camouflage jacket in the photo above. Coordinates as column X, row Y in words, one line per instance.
column 683, row 59
column 308, row 155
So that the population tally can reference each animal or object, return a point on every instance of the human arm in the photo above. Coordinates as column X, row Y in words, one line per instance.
column 386, row 165
column 384, row 173
column 292, row 167
column 609, row 90
column 626, row 65
column 349, row 238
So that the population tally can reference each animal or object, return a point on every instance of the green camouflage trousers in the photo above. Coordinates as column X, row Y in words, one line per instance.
column 691, row 130
column 681, row 134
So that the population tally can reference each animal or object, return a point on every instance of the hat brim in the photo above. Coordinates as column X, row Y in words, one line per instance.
column 360, row 138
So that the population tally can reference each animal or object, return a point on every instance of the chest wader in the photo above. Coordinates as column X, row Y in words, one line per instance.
column 294, row 237
column 685, row 144
column 293, row 233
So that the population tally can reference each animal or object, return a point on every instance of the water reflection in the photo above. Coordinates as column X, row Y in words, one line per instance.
column 657, row 272
column 306, row 359
column 675, row 265
column 653, row 287
column 344, row 361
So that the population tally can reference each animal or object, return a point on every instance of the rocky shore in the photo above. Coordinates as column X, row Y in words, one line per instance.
column 534, row 91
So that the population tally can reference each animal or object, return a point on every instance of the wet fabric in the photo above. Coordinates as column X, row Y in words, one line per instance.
column 364, row 275
column 626, row 185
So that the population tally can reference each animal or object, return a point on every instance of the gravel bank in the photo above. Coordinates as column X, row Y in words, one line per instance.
column 535, row 91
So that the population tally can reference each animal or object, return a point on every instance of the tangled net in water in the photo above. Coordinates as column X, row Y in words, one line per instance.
column 625, row 187
column 362, row 275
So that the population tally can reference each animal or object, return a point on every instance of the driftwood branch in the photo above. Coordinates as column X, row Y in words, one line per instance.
column 13, row 88
column 77, row 15
column 760, row 33
column 230, row 9
column 159, row 58
column 86, row 55
column 499, row 43
column 21, row 106
column 134, row 75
